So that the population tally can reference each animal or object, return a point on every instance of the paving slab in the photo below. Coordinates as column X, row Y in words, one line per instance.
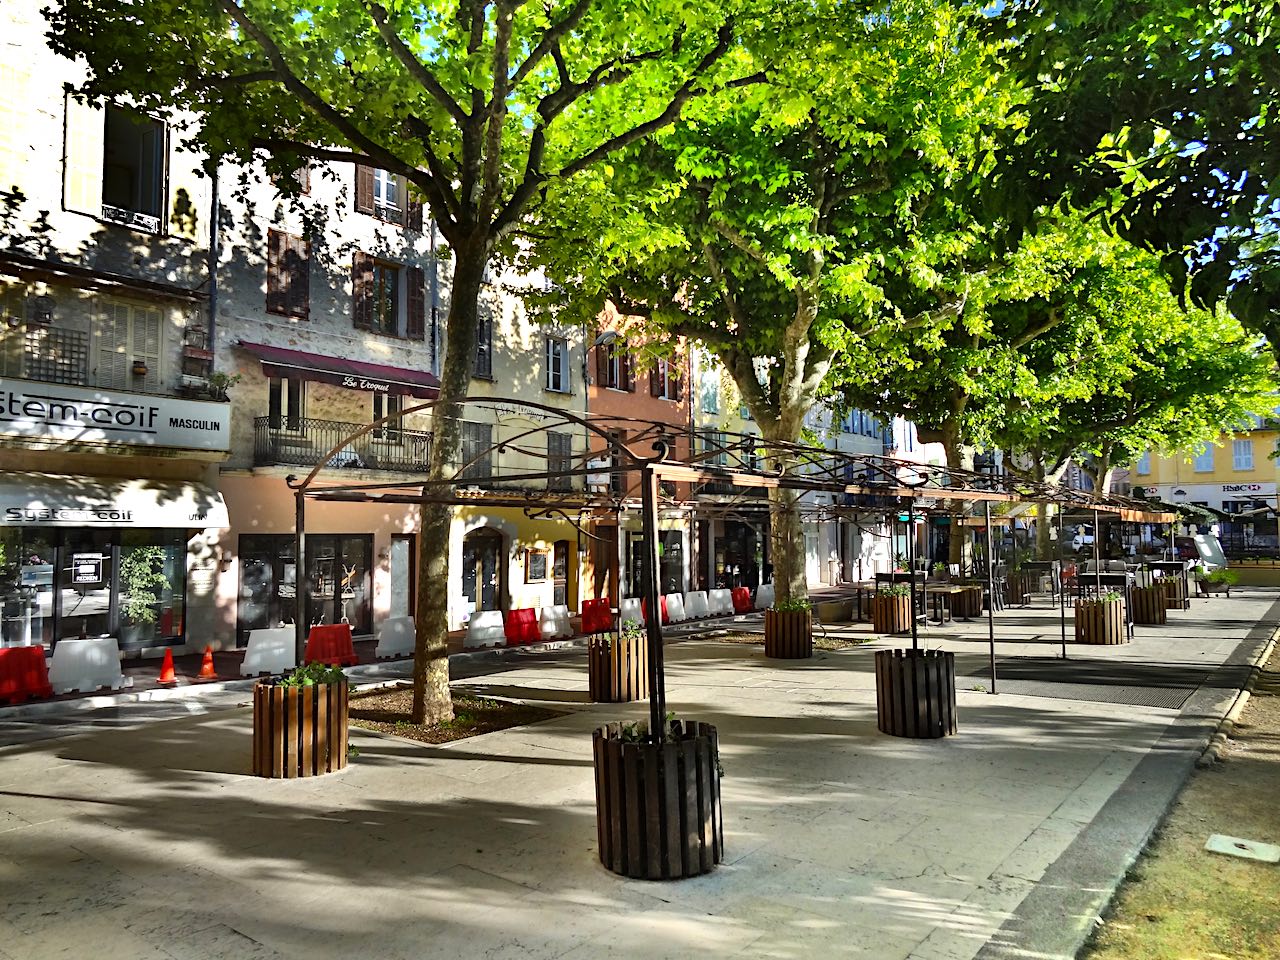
column 139, row 832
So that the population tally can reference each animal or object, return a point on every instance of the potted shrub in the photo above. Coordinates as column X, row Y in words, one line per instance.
column 617, row 666
column 788, row 629
column 658, row 799
column 1217, row 581
column 891, row 609
column 940, row 571
column 1101, row 621
column 300, row 723
column 142, row 584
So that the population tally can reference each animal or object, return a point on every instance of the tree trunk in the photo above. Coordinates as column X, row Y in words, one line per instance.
column 786, row 545
column 959, row 456
column 432, row 701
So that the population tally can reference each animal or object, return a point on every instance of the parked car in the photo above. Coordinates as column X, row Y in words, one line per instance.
column 1083, row 538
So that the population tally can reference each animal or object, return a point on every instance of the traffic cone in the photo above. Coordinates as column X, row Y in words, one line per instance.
column 166, row 669
column 206, row 666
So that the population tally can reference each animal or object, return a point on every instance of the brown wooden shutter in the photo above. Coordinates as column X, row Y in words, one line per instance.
column 303, row 176
column 276, row 246
column 676, row 373
column 655, row 380
column 298, row 270
column 364, row 189
column 416, row 319
column 602, row 366
column 362, row 291
column 415, row 215
column 628, row 372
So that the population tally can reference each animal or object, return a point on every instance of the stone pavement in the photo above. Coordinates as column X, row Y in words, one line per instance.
column 138, row 833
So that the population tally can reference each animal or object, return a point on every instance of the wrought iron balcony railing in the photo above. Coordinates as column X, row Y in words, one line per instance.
column 305, row 441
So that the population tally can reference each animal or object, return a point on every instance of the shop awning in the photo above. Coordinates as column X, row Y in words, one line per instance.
column 352, row 374
column 45, row 500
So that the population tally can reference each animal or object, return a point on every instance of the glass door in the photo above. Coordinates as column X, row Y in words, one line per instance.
column 401, row 563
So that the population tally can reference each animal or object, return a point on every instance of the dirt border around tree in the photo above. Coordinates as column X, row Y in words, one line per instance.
column 387, row 711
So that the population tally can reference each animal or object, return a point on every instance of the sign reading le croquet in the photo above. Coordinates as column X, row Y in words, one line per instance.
column 55, row 411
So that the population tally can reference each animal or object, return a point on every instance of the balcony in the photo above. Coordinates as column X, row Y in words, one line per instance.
column 305, row 441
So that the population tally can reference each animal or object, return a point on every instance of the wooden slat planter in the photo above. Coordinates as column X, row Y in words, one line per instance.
column 916, row 693
column 967, row 604
column 1149, row 606
column 658, row 804
column 788, row 634
column 299, row 731
column 617, row 669
column 1100, row 622
column 1175, row 592
column 1019, row 588
column 890, row 614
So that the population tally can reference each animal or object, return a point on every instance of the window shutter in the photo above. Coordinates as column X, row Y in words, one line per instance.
column 655, row 380
column 415, row 215
column 416, row 320
column 298, row 272
column 602, row 366
column 677, row 381
column 364, row 189
column 628, row 372
column 146, row 345
column 82, row 173
column 362, row 292
column 275, row 272
column 112, row 341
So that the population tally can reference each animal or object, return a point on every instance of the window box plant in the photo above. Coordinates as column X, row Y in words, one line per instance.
column 300, row 723
column 788, row 630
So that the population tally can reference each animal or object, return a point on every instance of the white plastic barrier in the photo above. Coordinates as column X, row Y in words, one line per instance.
column 631, row 609
column 397, row 637
column 721, row 602
column 696, row 606
column 270, row 650
column 485, row 629
column 675, row 608
column 764, row 596
column 87, row 664
column 553, row 622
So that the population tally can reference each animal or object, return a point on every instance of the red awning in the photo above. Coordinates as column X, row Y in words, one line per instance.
column 352, row 374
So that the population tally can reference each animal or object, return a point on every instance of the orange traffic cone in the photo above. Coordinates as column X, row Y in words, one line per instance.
column 166, row 669
column 206, row 666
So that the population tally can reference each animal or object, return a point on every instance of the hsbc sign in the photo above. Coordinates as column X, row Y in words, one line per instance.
column 1267, row 489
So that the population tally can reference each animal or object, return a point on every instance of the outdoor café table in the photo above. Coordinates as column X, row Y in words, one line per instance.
column 23, row 674
column 331, row 643
column 941, row 594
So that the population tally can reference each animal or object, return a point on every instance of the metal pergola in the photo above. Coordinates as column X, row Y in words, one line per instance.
column 639, row 457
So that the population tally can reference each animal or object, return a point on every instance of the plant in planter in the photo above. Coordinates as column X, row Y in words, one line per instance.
column 788, row 629
column 142, row 583
column 1102, row 620
column 658, row 799
column 616, row 667
column 939, row 571
column 899, row 563
column 300, row 722
column 1217, row 581
column 891, row 609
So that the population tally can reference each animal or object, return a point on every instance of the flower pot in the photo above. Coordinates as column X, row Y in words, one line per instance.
column 617, row 668
column 1019, row 588
column 1100, row 622
column 890, row 614
column 1149, row 605
column 916, row 693
column 299, row 731
column 1206, row 587
column 1175, row 592
column 967, row 604
column 658, row 804
column 788, row 634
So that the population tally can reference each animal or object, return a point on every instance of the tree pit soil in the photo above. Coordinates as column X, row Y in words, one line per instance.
column 819, row 642
column 388, row 711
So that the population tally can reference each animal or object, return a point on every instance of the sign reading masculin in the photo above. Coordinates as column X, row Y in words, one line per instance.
column 55, row 411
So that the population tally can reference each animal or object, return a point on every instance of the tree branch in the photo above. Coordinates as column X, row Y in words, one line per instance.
column 416, row 68
column 496, row 115
column 550, row 40
column 735, row 237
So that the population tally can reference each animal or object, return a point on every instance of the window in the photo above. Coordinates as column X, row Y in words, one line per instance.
column 1203, row 462
column 133, row 169
column 559, row 459
column 665, row 380
column 1143, row 466
column 286, row 403
column 288, row 275
column 710, row 393
column 127, row 339
column 617, row 479
column 1242, row 454
column 389, row 298
column 613, row 366
column 483, row 367
column 384, row 405
column 385, row 195
column 557, row 364
column 477, row 441
column 713, row 444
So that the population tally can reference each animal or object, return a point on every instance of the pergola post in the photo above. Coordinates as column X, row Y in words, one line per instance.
column 911, row 568
column 1062, row 582
column 1097, row 553
column 657, row 683
column 991, row 597
column 299, row 575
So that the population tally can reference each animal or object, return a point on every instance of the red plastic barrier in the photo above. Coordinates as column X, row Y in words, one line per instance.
column 331, row 643
column 596, row 616
column 741, row 599
column 23, row 674
column 662, row 605
column 521, row 626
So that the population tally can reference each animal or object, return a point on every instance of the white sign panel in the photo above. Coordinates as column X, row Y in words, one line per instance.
column 42, row 500
column 55, row 411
